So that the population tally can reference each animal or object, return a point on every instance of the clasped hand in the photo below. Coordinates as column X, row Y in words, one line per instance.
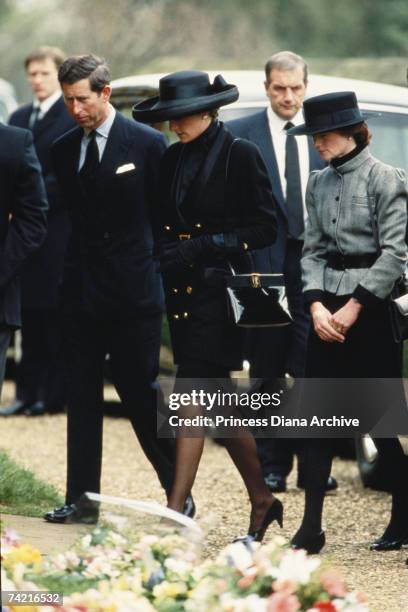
column 184, row 252
column 334, row 327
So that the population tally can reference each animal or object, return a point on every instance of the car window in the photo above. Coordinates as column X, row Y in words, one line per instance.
column 390, row 134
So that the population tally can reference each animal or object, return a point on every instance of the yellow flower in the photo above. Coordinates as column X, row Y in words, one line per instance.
column 169, row 590
column 25, row 554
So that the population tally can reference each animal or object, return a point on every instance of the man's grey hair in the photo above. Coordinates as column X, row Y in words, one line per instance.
column 89, row 67
column 285, row 60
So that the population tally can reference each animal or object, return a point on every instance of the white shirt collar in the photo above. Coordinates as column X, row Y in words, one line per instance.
column 46, row 104
column 105, row 127
column 277, row 123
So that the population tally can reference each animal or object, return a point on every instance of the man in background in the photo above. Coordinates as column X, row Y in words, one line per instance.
column 40, row 382
column 23, row 208
column 275, row 353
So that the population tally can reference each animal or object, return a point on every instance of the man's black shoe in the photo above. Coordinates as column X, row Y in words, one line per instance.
column 71, row 514
column 331, row 485
column 17, row 407
column 275, row 483
column 36, row 409
column 189, row 507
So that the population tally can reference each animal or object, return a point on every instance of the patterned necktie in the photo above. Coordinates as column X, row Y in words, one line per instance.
column 34, row 117
column 91, row 162
column 294, row 201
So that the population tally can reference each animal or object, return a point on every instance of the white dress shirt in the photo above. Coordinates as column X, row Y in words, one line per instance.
column 102, row 133
column 46, row 104
column 278, row 132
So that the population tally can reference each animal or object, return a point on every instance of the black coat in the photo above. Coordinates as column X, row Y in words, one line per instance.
column 41, row 275
column 23, row 215
column 256, row 129
column 109, row 270
column 240, row 202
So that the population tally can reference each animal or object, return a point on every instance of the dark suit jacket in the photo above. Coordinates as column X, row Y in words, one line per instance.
column 109, row 270
column 23, row 212
column 256, row 129
column 237, row 201
column 41, row 275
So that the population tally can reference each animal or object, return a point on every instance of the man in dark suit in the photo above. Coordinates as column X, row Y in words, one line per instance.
column 40, row 384
column 112, row 293
column 275, row 353
column 23, row 208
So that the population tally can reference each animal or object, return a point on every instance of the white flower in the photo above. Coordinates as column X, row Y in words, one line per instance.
column 178, row 567
column 351, row 603
column 252, row 603
column 238, row 555
column 296, row 566
column 86, row 541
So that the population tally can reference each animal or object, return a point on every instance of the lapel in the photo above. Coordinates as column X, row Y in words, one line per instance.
column 260, row 133
column 24, row 117
column 49, row 117
column 116, row 148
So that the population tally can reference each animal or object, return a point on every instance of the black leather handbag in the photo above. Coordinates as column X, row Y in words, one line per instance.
column 255, row 299
column 258, row 300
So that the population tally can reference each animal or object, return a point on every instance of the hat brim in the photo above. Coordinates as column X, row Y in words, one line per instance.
column 154, row 110
column 304, row 130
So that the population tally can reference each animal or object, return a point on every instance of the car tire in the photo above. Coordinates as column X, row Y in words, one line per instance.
column 371, row 467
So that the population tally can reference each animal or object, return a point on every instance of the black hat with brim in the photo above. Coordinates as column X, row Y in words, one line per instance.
column 330, row 112
column 183, row 93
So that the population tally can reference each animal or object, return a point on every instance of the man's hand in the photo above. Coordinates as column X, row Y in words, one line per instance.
column 346, row 316
column 322, row 323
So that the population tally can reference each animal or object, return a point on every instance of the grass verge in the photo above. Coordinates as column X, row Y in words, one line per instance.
column 22, row 493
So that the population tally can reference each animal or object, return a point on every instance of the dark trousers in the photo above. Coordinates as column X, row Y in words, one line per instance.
column 5, row 335
column 369, row 352
column 133, row 347
column 41, row 373
column 273, row 352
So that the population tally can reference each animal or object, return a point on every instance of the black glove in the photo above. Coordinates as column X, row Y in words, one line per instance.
column 185, row 252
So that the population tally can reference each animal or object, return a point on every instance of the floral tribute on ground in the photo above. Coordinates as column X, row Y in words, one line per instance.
column 109, row 571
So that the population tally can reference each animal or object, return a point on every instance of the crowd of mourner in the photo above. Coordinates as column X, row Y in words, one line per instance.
column 104, row 228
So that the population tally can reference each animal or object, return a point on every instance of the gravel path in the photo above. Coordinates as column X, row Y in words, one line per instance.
column 353, row 516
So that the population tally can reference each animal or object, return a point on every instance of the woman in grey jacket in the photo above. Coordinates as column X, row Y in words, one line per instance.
column 354, row 252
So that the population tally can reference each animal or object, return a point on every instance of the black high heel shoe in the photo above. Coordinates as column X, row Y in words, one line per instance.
column 312, row 543
column 274, row 513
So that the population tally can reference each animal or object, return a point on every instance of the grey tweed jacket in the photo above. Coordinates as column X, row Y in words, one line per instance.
column 339, row 222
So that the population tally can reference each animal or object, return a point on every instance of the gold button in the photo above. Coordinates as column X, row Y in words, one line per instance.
column 198, row 225
column 245, row 246
column 167, row 228
column 175, row 290
column 176, row 316
column 185, row 315
column 189, row 290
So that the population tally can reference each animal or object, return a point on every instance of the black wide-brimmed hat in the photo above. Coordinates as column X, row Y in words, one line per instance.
column 185, row 93
column 330, row 112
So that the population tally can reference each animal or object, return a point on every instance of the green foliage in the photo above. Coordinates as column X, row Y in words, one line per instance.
column 139, row 36
column 21, row 492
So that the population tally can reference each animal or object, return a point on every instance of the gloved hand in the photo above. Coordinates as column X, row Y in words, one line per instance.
column 185, row 252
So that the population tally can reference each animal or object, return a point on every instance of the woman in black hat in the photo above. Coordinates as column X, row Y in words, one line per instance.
column 354, row 252
column 214, row 204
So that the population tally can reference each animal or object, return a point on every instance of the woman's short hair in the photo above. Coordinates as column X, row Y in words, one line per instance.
column 360, row 132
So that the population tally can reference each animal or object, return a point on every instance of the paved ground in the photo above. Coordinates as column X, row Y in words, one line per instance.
column 353, row 516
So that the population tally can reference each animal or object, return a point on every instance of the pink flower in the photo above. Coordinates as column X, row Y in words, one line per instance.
column 282, row 602
column 246, row 581
column 333, row 584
